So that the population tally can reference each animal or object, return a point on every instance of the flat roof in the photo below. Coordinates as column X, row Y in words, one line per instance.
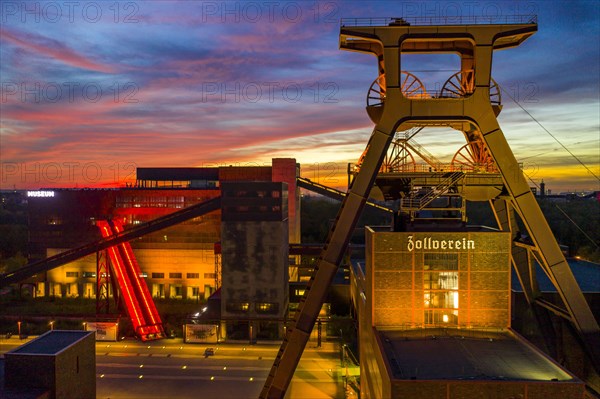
column 185, row 173
column 51, row 343
column 452, row 354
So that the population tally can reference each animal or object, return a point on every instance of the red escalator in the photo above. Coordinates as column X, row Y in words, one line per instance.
column 136, row 297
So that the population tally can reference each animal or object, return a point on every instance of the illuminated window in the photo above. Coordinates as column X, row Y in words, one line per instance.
column 72, row 274
column 440, row 285
column 237, row 307
column 267, row 308
column 89, row 274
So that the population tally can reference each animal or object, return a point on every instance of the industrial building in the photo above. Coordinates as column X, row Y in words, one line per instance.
column 433, row 296
column 434, row 320
column 177, row 262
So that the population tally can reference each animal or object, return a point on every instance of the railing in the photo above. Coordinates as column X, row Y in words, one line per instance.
column 419, row 203
column 439, row 168
column 473, row 330
column 423, row 153
column 440, row 20
column 333, row 193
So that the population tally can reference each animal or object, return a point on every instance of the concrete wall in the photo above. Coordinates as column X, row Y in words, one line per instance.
column 286, row 170
column 254, row 267
column 70, row 373
column 75, row 370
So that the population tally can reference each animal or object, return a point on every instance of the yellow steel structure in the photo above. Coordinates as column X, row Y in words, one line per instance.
column 468, row 102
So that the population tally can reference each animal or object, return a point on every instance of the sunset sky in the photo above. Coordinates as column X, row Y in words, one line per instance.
column 90, row 90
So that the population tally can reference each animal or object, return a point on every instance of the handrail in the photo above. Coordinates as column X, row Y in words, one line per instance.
column 421, row 202
column 333, row 193
column 441, row 20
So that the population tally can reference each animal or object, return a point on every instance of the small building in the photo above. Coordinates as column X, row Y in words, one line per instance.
column 62, row 364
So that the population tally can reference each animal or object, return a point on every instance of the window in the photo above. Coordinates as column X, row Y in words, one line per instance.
column 176, row 291
column 158, row 275
column 440, row 285
column 210, row 275
column 175, row 275
column 193, row 275
column 440, row 261
column 267, row 308
column 89, row 274
column 72, row 274
column 237, row 307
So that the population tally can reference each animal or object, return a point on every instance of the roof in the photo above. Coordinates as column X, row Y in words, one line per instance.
column 435, row 355
column 51, row 343
column 168, row 174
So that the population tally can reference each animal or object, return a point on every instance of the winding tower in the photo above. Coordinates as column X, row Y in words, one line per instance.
column 484, row 169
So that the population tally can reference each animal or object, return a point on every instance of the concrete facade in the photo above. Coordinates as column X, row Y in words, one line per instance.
column 255, row 262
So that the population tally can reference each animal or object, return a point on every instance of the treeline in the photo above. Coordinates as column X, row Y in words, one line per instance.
column 574, row 223
column 318, row 214
column 13, row 235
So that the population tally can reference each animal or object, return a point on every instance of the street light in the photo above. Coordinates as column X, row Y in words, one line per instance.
column 51, row 325
column 84, row 326
column 19, row 326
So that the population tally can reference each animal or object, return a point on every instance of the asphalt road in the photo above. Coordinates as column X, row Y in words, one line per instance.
column 171, row 369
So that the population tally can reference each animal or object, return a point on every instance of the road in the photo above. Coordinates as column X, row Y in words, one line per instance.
column 169, row 368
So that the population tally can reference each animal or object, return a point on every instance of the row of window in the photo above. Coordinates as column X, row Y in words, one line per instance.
column 154, row 275
column 187, row 275
column 259, row 307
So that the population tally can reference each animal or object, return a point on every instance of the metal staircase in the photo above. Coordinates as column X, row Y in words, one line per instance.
column 419, row 200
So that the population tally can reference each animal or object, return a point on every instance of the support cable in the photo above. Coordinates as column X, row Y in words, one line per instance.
column 551, row 135
column 566, row 215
